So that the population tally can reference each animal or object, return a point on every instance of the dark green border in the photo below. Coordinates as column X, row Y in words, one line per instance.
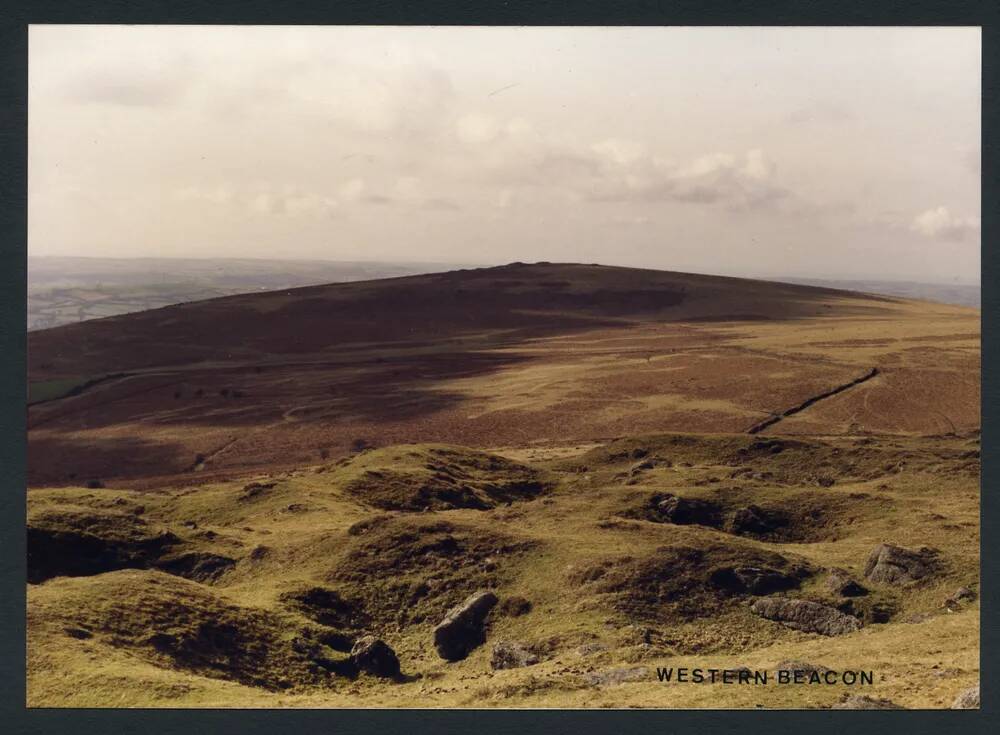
column 14, row 17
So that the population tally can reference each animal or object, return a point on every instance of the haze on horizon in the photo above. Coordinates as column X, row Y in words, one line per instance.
column 816, row 152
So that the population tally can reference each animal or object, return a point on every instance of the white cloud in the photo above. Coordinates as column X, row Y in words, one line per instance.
column 736, row 182
column 476, row 128
column 940, row 223
column 291, row 202
column 620, row 151
column 214, row 195
column 353, row 190
column 290, row 125
column 757, row 165
column 820, row 112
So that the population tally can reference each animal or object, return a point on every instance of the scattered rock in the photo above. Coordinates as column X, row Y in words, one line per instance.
column 589, row 649
column 512, row 655
column 463, row 628
column 841, row 583
column 685, row 583
column 637, row 635
column 969, row 699
column 863, row 701
column 367, row 524
column 410, row 571
column 634, row 472
column 868, row 610
column 610, row 677
column 802, row 666
column 253, row 489
column 440, row 478
column 327, row 607
column 375, row 657
column 889, row 564
column 753, row 520
column 753, row 580
column 949, row 673
column 962, row 594
column 685, row 511
column 199, row 566
column 647, row 464
column 811, row 617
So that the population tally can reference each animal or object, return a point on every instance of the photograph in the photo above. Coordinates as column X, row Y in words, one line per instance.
column 503, row 367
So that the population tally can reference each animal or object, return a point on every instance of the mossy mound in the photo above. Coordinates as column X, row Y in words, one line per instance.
column 776, row 460
column 677, row 584
column 418, row 478
column 403, row 573
column 179, row 624
column 69, row 540
column 794, row 516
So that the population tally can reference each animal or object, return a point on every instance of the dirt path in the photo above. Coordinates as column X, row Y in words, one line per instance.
column 756, row 428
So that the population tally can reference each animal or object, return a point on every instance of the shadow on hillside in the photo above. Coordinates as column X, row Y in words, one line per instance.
column 370, row 354
column 65, row 460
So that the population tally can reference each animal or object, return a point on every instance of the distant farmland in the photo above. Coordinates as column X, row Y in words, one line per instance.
column 68, row 290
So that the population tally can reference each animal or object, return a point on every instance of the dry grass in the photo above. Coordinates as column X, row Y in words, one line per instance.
column 397, row 573
column 273, row 493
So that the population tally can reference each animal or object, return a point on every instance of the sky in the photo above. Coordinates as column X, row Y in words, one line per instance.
column 810, row 152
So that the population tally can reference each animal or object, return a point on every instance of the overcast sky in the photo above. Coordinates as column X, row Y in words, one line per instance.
column 745, row 151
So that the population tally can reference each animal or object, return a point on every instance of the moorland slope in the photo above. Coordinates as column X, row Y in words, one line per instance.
column 613, row 469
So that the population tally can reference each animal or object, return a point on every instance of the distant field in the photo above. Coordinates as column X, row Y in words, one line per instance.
column 68, row 290
column 959, row 294
column 47, row 390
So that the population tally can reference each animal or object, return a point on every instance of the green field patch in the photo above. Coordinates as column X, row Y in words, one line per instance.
column 51, row 390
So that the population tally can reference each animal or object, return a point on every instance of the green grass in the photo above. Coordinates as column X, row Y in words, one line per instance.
column 49, row 390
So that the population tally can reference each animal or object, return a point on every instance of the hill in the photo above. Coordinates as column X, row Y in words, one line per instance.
column 517, row 355
column 64, row 290
column 632, row 470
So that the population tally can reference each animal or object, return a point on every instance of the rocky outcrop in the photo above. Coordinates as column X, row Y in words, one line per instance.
column 685, row 511
column 463, row 628
column 613, row 677
column 863, row 701
column 753, row 580
column 804, row 615
column 753, row 521
column 375, row 657
column 969, row 699
column 842, row 584
column 196, row 565
column 889, row 564
column 512, row 655
column 75, row 542
column 961, row 595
